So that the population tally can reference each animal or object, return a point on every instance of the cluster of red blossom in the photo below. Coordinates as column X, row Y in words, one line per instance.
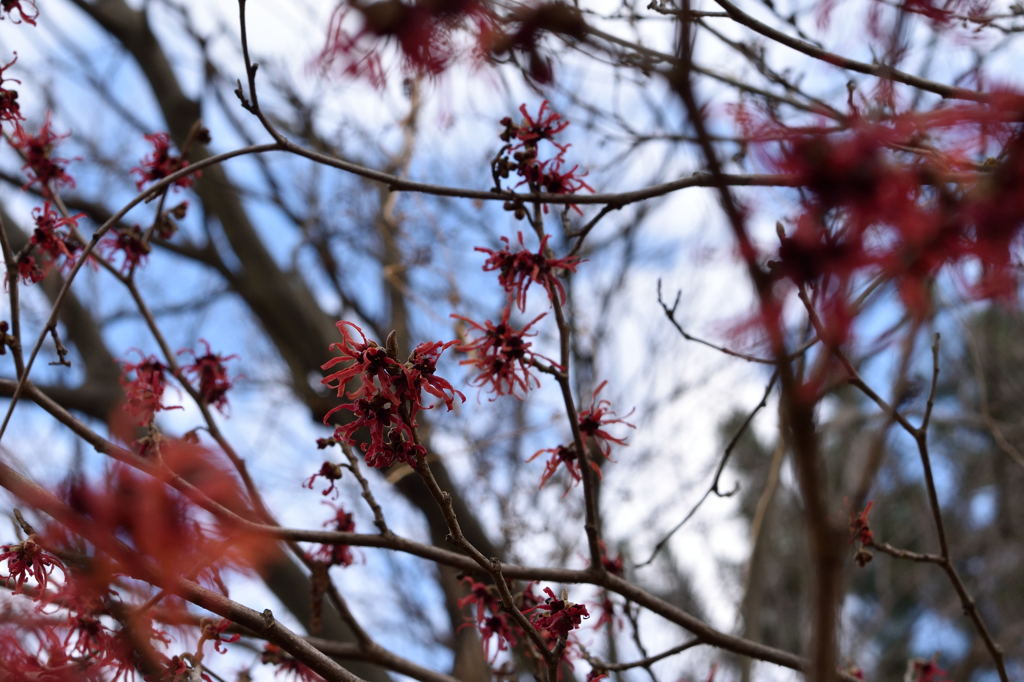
column 500, row 353
column 553, row 618
column 161, row 163
column 502, row 356
column 84, row 575
column 425, row 33
column 385, row 395
column 591, row 424
column 144, row 383
column 336, row 554
column 521, row 154
column 41, row 166
column 55, row 240
column 901, row 199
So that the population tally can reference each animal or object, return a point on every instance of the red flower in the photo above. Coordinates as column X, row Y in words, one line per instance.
column 421, row 31
column 613, row 566
column 337, row 554
column 593, row 420
column 502, row 355
column 517, row 270
column 42, row 167
column 544, row 126
column 48, row 660
column 497, row 627
column 209, row 370
column 331, row 473
column 214, row 632
column 363, row 360
column 9, row 108
column 29, row 15
column 925, row 671
column 28, row 559
column 482, row 596
column 811, row 254
column 607, row 613
column 522, row 155
column 160, row 163
column 167, row 533
column 388, row 395
column 54, row 235
column 860, row 530
column 561, row 455
column 55, row 238
column 390, row 434
column 419, row 375
column 144, row 393
column 287, row 667
column 88, row 632
column 550, row 178
column 491, row 621
column 29, row 270
column 995, row 213
column 853, row 172
column 562, row 616
column 591, row 423
column 128, row 244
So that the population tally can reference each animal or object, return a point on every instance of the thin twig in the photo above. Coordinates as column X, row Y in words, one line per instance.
column 713, row 488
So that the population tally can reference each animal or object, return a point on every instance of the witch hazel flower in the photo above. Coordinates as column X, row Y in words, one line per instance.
column 42, row 167
column 161, row 162
column 208, row 369
column 10, row 110
column 420, row 377
column 545, row 125
column 337, row 554
column 498, row 631
column 523, row 155
column 385, row 395
column 26, row 9
column 562, row 456
column 214, row 632
column 520, row 268
column 592, row 425
column 331, row 473
column 28, row 559
column 422, row 32
column 481, row 597
column 557, row 616
column 128, row 245
column 53, row 241
column 144, row 391
column 502, row 356
column 919, row 670
column 595, row 418
column 860, row 531
column 360, row 360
